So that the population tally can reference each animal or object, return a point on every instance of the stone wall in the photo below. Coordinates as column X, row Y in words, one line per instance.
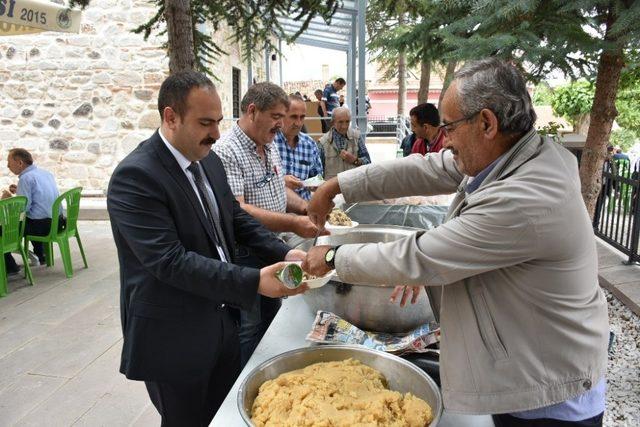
column 81, row 102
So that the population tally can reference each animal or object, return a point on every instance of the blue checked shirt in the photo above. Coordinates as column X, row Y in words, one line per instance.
column 302, row 162
column 40, row 188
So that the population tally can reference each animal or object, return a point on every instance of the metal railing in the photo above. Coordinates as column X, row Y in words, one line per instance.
column 617, row 215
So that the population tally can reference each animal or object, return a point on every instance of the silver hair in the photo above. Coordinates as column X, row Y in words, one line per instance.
column 264, row 96
column 498, row 86
column 340, row 110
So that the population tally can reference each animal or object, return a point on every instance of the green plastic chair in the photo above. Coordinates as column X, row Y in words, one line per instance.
column 12, row 216
column 61, row 235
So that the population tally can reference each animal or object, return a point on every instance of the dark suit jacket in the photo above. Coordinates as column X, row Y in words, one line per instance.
column 172, row 281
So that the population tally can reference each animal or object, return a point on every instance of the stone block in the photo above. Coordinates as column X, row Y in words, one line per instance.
column 58, row 144
column 16, row 91
column 80, row 157
column 102, row 112
column 77, row 171
column 9, row 136
column 111, row 125
column 157, row 78
column 83, row 110
column 102, row 78
column 150, row 120
column 54, row 123
column 10, row 112
column 131, row 141
column 143, row 94
column 94, row 148
column 127, row 78
column 84, row 124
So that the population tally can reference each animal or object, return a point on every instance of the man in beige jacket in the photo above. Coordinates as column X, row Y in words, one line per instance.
column 512, row 273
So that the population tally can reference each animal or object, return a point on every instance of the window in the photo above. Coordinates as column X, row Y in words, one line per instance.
column 235, row 92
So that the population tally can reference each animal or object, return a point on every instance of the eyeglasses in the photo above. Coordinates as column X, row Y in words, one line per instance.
column 448, row 127
column 265, row 179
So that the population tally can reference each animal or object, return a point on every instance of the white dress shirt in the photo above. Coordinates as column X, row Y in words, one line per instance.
column 184, row 164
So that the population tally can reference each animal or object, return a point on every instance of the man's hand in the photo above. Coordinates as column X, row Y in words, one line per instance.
column 295, row 255
column 348, row 157
column 303, row 227
column 292, row 182
column 315, row 263
column 405, row 291
column 6, row 194
column 271, row 287
column 321, row 202
column 13, row 188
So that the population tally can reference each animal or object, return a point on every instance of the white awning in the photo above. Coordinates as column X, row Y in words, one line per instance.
column 32, row 16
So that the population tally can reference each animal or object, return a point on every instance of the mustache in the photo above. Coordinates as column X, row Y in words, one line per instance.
column 208, row 141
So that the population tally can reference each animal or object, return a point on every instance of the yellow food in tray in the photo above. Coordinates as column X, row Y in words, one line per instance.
column 342, row 393
column 339, row 217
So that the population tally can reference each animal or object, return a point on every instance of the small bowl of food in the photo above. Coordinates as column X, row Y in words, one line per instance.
column 317, row 281
column 339, row 222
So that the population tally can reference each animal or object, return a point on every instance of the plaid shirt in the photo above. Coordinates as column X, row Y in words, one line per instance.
column 261, row 185
column 302, row 162
column 340, row 142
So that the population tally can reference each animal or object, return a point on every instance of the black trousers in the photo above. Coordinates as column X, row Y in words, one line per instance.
column 34, row 227
column 506, row 420
column 254, row 322
column 195, row 403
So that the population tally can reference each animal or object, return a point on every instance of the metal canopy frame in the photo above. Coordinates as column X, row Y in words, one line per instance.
column 346, row 33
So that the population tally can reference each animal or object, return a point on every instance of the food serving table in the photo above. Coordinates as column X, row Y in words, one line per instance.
column 287, row 332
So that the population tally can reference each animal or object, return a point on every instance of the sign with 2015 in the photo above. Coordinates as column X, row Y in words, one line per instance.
column 39, row 15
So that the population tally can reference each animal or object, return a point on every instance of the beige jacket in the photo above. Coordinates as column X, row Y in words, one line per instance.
column 333, row 163
column 524, row 322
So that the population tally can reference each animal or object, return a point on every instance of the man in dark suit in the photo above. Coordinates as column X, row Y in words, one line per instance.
column 175, row 225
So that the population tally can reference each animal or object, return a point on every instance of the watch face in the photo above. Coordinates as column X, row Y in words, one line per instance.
column 329, row 255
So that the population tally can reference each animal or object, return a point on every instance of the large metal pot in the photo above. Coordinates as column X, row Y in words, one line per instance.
column 366, row 306
column 402, row 376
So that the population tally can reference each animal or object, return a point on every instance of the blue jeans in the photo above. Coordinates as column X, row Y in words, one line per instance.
column 254, row 322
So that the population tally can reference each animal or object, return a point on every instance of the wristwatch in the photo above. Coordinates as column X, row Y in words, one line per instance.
column 356, row 162
column 330, row 257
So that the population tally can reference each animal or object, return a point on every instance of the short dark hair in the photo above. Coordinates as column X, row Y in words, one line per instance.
column 21, row 154
column 315, row 92
column 264, row 95
column 341, row 81
column 176, row 88
column 426, row 113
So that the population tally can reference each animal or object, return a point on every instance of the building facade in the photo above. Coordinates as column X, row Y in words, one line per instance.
column 81, row 102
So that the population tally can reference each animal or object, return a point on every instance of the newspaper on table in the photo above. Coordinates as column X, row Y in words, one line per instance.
column 329, row 328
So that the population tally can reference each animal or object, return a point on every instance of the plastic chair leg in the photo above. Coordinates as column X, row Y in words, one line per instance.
column 84, row 259
column 66, row 257
column 48, row 253
column 27, row 268
column 3, row 277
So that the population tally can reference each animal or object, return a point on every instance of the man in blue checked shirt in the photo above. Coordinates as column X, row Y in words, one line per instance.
column 298, row 151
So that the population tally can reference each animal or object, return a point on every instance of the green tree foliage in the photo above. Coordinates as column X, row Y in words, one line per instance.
column 542, row 94
column 253, row 23
column 573, row 100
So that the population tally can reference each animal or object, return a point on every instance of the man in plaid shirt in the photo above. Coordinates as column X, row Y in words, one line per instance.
column 255, row 175
column 298, row 151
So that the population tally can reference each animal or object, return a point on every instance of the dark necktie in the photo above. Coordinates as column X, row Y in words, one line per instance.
column 210, row 208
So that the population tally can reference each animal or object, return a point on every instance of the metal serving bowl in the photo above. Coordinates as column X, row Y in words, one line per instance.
column 402, row 376
column 366, row 306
